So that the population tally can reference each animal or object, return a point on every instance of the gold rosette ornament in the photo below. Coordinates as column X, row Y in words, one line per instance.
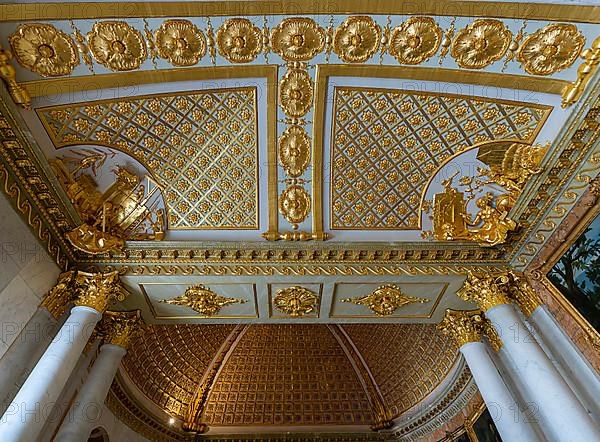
column 117, row 45
column 298, row 39
column 180, row 42
column 480, row 44
column 294, row 151
column 415, row 40
column 294, row 204
column 296, row 93
column 551, row 49
column 45, row 50
column 357, row 39
column 239, row 41
column 296, row 301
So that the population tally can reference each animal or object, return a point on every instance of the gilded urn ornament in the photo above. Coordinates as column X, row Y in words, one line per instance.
column 117, row 45
column 480, row 44
column 551, row 49
column 239, row 41
column 298, row 39
column 296, row 93
column 296, row 301
column 45, row 50
column 357, row 39
column 415, row 40
column 180, row 42
column 294, row 204
column 294, row 151
column 385, row 300
column 202, row 300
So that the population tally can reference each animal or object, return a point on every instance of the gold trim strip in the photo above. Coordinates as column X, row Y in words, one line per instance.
column 90, row 10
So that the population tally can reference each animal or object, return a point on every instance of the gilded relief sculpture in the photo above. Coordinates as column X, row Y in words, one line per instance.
column 125, row 210
column 203, row 300
column 296, row 301
column 385, row 300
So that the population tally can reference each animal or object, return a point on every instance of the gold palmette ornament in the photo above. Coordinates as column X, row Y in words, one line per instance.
column 296, row 93
column 202, row 300
column 551, row 49
column 117, row 45
column 357, row 39
column 294, row 151
column 45, row 50
column 415, row 40
column 480, row 44
column 294, row 204
column 298, row 39
column 239, row 41
column 180, row 42
column 296, row 301
column 385, row 300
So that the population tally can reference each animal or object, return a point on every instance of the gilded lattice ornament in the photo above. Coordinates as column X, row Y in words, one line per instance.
column 385, row 300
column 120, row 328
column 96, row 290
column 486, row 290
column 480, row 44
column 415, row 40
column 294, row 151
column 463, row 326
column 357, row 39
column 45, row 50
column 297, row 39
column 296, row 301
column 296, row 93
column 117, row 45
column 294, row 204
column 180, row 42
column 203, row 300
column 200, row 146
column 387, row 144
column 239, row 41
column 551, row 49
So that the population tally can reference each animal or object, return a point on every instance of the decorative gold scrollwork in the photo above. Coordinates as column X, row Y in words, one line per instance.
column 480, row 44
column 180, row 42
column 298, row 39
column 294, row 150
column 239, row 41
column 415, row 40
column 117, row 45
column 296, row 301
column 296, row 93
column 385, row 300
column 357, row 39
column 202, row 300
column 294, row 204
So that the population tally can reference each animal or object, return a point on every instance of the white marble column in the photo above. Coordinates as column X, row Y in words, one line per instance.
column 562, row 417
column 27, row 413
column 467, row 328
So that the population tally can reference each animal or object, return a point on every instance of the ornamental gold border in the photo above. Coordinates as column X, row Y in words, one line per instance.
column 461, row 8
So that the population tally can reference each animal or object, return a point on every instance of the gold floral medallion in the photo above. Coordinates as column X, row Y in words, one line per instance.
column 415, row 40
column 45, row 50
column 296, row 93
column 480, row 44
column 385, row 300
column 202, row 300
column 551, row 49
column 180, row 42
column 294, row 204
column 296, row 301
column 357, row 39
column 294, row 150
column 239, row 41
column 117, row 45
column 298, row 39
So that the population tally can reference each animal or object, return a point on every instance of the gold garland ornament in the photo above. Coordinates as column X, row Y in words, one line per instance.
column 117, row 45
column 357, row 39
column 239, row 41
column 45, row 50
column 415, row 40
column 294, row 151
column 298, row 39
column 480, row 44
column 180, row 42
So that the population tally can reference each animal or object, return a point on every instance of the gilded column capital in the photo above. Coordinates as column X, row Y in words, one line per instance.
column 522, row 293
column 486, row 290
column 492, row 335
column 58, row 297
column 463, row 326
column 120, row 328
column 96, row 290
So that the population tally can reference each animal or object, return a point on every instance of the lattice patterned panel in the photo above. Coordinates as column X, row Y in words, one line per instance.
column 167, row 362
column 412, row 360
column 201, row 146
column 386, row 145
column 287, row 375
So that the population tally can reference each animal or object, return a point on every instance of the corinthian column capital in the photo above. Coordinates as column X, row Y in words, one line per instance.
column 59, row 296
column 96, row 290
column 522, row 293
column 120, row 328
column 486, row 290
column 463, row 326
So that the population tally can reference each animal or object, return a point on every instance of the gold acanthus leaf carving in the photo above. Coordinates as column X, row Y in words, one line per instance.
column 180, row 42
column 415, row 40
column 294, row 204
column 298, row 39
column 294, row 151
column 463, row 326
column 551, row 49
column 117, row 45
column 96, row 290
column 480, row 44
column 45, row 50
column 487, row 290
column 202, row 300
column 357, row 39
column 385, row 300
column 120, row 328
column 296, row 301
column 239, row 41
column 296, row 93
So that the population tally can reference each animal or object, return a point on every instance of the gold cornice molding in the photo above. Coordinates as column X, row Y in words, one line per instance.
column 92, row 10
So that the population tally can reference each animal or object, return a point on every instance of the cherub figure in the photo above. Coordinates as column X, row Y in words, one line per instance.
column 494, row 222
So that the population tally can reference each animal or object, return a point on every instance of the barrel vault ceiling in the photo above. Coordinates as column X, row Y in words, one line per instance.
column 274, row 178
